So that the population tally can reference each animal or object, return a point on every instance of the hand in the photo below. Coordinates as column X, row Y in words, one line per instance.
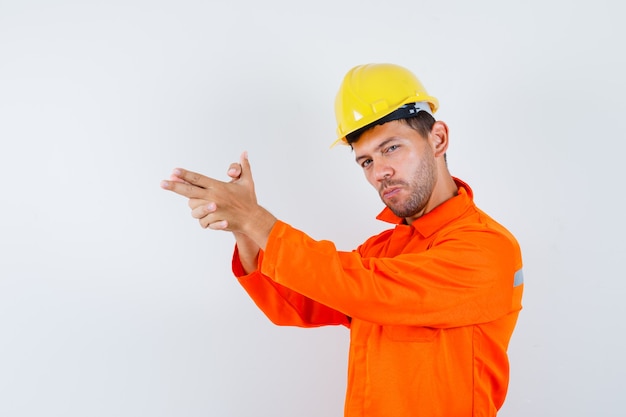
column 202, row 208
column 221, row 205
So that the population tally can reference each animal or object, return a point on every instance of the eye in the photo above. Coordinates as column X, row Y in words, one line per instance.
column 366, row 163
column 392, row 148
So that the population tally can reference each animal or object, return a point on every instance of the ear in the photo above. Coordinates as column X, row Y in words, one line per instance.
column 439, row 138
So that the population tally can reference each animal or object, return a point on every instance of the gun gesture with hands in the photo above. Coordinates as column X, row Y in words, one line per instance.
column 230, row 206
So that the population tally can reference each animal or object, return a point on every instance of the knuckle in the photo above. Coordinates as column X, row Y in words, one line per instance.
column 194, row 203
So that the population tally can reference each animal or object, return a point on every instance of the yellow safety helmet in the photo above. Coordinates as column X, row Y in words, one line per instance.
column 372, row 91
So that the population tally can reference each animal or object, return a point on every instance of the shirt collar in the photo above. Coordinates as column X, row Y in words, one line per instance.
column 440, row 215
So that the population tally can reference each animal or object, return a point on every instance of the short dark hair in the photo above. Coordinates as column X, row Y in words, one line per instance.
column 422, row 122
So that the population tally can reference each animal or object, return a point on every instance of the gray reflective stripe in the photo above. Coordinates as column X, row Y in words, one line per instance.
column 518, row 279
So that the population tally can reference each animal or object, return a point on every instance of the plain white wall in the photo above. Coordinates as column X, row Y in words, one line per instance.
column 113, row 301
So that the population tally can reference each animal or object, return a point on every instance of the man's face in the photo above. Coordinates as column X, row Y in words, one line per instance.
column 400, row 164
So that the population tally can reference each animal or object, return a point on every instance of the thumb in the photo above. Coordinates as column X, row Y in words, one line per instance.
column 246, row 172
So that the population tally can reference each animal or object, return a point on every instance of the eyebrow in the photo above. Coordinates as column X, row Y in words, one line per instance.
column 380, row 145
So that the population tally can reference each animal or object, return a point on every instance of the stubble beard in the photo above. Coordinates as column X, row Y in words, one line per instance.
column 420, row 187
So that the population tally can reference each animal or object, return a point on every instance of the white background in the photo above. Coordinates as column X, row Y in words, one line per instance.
column 114, row 302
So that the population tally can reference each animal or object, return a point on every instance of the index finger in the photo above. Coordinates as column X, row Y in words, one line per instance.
column 185, row 189
column 194, row 178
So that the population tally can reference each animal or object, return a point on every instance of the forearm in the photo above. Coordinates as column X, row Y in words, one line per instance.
column 248, row 252
column 252, row 237
column 257, row 229
column 281, row 305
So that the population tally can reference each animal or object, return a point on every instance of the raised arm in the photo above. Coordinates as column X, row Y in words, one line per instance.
column 232, row 206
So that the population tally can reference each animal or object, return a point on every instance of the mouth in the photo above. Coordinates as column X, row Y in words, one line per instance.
column 388, row 193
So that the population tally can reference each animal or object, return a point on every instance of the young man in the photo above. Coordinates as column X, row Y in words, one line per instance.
column 430, row 303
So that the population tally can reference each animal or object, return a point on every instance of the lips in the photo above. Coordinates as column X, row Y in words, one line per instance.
column 390, row 192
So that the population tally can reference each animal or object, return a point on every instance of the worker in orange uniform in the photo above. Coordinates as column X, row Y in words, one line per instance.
column 431, row 303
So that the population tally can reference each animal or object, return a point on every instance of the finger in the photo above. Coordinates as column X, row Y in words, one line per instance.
column 195, row 202
column 194, row 178
column 234, row 170
column 176, row 179
column 203, row 211
column 185, row 189
column 219, row 225
column 212, row 219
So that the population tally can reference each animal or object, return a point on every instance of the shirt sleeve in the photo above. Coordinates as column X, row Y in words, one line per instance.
column 282, row 305
column 465, row 277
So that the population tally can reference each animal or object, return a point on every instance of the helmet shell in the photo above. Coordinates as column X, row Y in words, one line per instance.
column 371, row 91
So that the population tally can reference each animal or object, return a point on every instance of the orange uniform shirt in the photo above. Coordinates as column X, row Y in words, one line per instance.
column 431, row 307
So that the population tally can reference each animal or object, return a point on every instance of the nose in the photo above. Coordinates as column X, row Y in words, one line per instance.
column 382, row 172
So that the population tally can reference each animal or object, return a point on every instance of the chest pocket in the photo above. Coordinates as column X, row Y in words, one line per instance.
column 415, row 334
